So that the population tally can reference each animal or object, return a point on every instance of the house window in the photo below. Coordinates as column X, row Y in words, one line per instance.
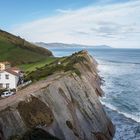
column 7, row 76
column 1, row 85
column 7, row 85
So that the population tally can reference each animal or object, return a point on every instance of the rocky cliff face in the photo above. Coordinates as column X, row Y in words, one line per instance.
column 65, row 105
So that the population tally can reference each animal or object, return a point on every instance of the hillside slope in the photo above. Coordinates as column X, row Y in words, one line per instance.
column 19, row 51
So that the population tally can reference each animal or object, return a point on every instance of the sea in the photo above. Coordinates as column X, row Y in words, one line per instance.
column 120, row 71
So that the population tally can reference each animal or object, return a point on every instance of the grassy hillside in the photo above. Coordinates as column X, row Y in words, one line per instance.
column 36, row 65
column 62, row 64
column 19, row 51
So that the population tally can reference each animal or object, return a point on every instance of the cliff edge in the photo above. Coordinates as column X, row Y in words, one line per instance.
column 64, row 106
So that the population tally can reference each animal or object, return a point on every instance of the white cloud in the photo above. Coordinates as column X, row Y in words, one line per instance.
column 117, row 25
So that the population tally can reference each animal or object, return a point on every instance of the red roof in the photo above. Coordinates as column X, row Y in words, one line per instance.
column 10, row 70
column 15, row 68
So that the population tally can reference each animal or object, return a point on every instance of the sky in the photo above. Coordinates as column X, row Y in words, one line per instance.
column 91, row 22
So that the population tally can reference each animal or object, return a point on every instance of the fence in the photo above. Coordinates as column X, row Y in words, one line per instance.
column 24, row 85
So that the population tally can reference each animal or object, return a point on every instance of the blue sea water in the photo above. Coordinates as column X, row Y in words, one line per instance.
column 120, row 69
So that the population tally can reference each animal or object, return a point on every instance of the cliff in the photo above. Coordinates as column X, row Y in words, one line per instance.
column 66, row 105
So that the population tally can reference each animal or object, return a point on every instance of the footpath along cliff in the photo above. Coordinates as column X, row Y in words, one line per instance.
column 64, row 106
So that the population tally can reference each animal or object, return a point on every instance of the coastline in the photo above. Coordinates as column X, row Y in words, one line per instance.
column 126, row 128
column 114, row 62
column 129, row 116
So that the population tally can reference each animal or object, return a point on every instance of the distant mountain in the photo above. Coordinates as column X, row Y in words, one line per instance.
column 19, row 51
column 62, row 45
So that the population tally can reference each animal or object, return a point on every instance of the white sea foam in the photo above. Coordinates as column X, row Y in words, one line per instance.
column 130, row 116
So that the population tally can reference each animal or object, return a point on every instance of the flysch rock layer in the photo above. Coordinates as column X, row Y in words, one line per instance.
column 65, row 104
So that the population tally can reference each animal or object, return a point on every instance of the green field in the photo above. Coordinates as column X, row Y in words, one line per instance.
column 27, row 68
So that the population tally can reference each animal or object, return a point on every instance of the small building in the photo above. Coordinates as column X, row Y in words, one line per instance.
column 59, row 63
column 10, row 77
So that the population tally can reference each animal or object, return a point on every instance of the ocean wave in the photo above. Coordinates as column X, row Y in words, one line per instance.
column 104, row 61
column 127, row 115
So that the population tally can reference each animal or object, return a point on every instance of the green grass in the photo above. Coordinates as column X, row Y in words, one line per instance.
column 34, row 66
column 67, row 64
column 18, row 51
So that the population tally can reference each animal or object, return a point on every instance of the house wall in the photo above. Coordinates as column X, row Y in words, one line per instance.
column 12, row 81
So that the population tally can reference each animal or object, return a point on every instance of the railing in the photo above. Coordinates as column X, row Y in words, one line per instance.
column 24, row 85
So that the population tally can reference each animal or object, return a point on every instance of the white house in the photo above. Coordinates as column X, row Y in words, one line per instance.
column 10, row 78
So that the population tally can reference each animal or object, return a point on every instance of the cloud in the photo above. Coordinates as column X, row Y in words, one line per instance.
column 64, row 11
column 117, row 25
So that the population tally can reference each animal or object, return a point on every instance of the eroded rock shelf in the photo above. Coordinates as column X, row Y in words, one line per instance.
column 65, row 105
